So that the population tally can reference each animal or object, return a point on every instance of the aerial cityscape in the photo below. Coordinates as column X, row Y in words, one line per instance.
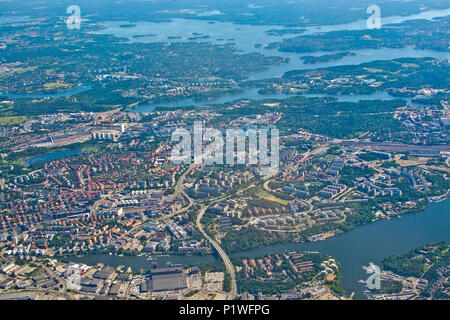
column 224, row 150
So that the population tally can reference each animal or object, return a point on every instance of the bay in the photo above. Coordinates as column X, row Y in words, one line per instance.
column 368, row 243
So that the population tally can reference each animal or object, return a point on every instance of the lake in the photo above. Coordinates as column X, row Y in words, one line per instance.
column 364, row 244
column 245, row 37
column 253, row 94
column 9, row 19
column 246, row 94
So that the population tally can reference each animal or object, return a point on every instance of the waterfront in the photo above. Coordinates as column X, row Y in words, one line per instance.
column 243, row 37
column 88, row 171
column 364, row 244
column 255, row 38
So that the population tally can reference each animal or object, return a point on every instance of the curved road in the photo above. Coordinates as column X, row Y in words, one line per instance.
column 223, row 255
column 180, row 182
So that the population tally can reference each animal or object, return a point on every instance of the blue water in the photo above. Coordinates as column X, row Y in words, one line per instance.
column 246, row 36
column 247, row 94
column 364, row 244
column 145, row 108
column 253, row 94
column 243, row 37
column 375, row 241
column 13, row 19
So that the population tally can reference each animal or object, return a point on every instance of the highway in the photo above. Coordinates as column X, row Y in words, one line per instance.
column 180, row 182
column 184, row 209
